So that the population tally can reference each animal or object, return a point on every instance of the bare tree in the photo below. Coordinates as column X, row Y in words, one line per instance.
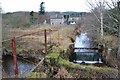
column 107, row 15
column 115, row 4
column 119, row 29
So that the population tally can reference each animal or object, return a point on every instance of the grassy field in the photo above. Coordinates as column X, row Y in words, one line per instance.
column 59, row 39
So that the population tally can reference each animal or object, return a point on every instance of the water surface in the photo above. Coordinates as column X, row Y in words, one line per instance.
column 23, row 66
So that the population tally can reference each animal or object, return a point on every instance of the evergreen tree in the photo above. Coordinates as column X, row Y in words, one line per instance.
column 42, row 8
column 31, row 16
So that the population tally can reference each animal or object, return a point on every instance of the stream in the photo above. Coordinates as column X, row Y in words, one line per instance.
column 23, row 66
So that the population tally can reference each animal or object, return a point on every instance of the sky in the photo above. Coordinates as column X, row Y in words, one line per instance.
column 50, row 5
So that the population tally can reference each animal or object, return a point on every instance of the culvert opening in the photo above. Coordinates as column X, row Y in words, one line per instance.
column 84, row 51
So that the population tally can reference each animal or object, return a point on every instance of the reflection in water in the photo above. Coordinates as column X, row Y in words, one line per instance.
column 23, row 66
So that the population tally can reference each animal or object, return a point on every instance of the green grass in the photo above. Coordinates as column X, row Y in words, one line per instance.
column 97, row 69
column 53, row 55
column 37, row 75
column 85, row 67
column 66, row 63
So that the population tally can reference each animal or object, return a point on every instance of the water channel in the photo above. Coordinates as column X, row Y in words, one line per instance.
column 23, row 66
column 85, row 55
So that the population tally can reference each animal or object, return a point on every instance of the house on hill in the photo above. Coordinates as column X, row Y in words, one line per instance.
column 70, row 18
column 56, row 19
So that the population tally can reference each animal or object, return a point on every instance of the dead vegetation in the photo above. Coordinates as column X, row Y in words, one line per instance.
column 54, row 66
column 58, row 40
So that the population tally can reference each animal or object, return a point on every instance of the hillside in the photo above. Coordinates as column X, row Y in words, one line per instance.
column 16, row 19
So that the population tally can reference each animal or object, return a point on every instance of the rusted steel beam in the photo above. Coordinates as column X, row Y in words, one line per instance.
column 26, row 35
column 45, row 34
column 20, row 36
column 14, row 57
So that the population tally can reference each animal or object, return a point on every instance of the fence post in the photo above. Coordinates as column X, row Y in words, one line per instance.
column 14, row 57
column 45, row 34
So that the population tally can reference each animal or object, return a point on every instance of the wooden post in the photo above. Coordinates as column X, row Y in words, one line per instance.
column 14, row 57
column 45, row 34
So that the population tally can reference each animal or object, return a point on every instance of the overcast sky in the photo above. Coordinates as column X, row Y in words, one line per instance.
column 50, row 5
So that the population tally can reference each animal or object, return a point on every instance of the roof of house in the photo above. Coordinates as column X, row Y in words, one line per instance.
column 56, row 16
